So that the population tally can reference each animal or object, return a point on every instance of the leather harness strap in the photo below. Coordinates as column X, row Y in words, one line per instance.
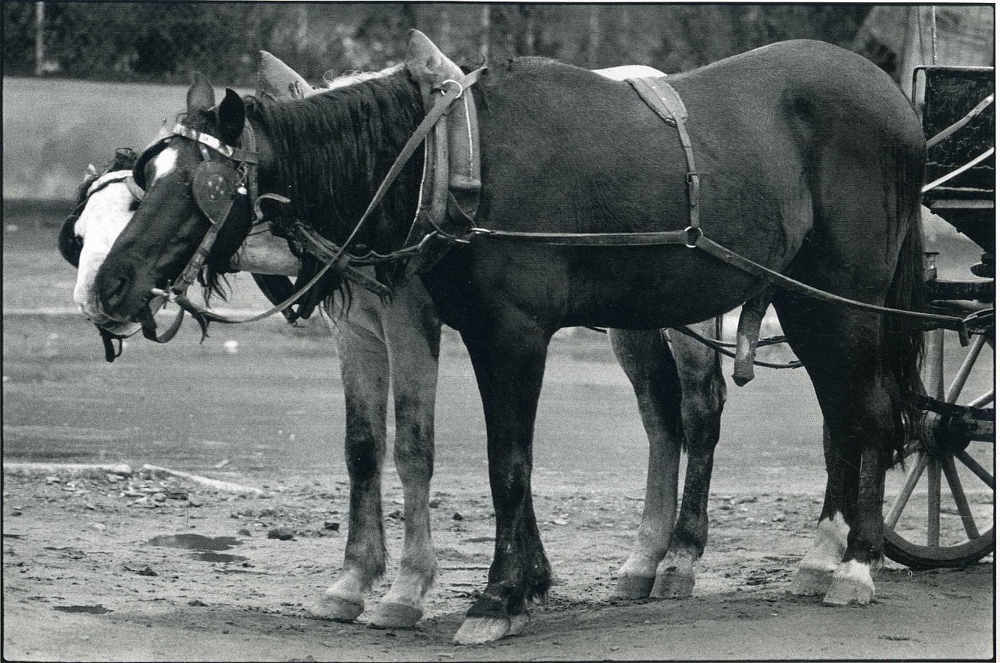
column 214, row 188
column 665, row 102
column 961, row 325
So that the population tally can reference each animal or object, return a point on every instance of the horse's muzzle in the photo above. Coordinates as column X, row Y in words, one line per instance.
column 116, row 325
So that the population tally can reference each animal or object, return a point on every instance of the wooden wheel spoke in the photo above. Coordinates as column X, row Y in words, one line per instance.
column 955, row 389
column 985, row 399
column 912, row 477
column 976, row 468
column 934, row 503
column 955, row 484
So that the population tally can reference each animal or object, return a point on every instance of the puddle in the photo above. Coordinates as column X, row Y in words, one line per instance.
column 88, row 609
column 194, row 542
column 218, row 557
column 205, row 547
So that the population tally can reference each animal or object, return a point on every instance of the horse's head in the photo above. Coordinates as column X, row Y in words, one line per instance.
column 195, row 179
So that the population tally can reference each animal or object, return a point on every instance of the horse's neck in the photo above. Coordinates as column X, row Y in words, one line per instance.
column 334, row 206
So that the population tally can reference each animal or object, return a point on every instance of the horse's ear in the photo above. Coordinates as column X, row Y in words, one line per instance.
column 232, row 117
column 201, row 94
column 428, row 65
column 91, row 172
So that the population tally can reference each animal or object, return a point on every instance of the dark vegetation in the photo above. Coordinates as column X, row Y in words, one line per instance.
column 165, row 42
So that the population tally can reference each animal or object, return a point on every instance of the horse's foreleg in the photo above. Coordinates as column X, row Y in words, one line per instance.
column 364, row 367
column 647, row 361
column 509, row 361
column 413, row 334
column 703, row 394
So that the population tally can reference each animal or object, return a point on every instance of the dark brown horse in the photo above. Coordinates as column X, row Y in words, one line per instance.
column 813, row 161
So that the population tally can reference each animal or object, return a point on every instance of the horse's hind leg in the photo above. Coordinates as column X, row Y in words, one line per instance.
column 413, row 334
column 364, row 367
column 703, row 394
column 647, row 361
column 815, row 573
column 842, row 350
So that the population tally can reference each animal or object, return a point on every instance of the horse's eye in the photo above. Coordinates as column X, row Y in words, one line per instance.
column 133, row 206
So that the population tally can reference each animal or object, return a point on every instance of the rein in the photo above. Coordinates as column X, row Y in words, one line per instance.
column 335, row 256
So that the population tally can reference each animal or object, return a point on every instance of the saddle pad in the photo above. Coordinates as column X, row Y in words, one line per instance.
column 661, row 97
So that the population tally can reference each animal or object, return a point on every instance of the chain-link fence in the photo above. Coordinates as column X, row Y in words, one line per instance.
column 165, row 42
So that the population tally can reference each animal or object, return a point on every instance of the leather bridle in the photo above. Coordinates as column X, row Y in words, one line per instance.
column 215, row 186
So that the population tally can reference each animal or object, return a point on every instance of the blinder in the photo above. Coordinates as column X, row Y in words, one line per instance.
column 154, row 148
column 71, row 244
column 214, row 187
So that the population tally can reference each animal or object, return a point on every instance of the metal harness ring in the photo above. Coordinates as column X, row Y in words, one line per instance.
column 693, row 233
column 461, row 90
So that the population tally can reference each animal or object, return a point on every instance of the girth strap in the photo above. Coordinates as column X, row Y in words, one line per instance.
column 660, row 96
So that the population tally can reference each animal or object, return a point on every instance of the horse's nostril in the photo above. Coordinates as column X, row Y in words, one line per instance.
column 113, row 289
column 120, row 285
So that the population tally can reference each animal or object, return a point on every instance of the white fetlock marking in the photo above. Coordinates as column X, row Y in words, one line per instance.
column 829, row 545
column 852, row 583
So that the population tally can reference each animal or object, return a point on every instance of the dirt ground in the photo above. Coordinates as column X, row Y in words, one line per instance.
column 90, row 573
column 92, row 569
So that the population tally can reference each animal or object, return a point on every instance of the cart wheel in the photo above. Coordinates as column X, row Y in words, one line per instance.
column 923, row 529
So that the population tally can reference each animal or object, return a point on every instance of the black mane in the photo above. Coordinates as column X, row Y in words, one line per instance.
column 332, row 151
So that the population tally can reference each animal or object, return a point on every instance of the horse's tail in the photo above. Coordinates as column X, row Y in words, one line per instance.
column 904, row 337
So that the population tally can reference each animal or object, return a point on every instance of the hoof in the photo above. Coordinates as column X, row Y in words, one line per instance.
column 634, row 587
column 479, row 630
column 811, row 581
column 395, row 615
column 852, row 583
column 336, row 609
column 673, row 586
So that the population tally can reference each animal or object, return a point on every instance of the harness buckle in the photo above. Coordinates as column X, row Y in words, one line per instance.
column 694, row 188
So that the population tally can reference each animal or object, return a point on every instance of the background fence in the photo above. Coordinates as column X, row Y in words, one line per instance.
column 82, row 78
column 163, row 42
